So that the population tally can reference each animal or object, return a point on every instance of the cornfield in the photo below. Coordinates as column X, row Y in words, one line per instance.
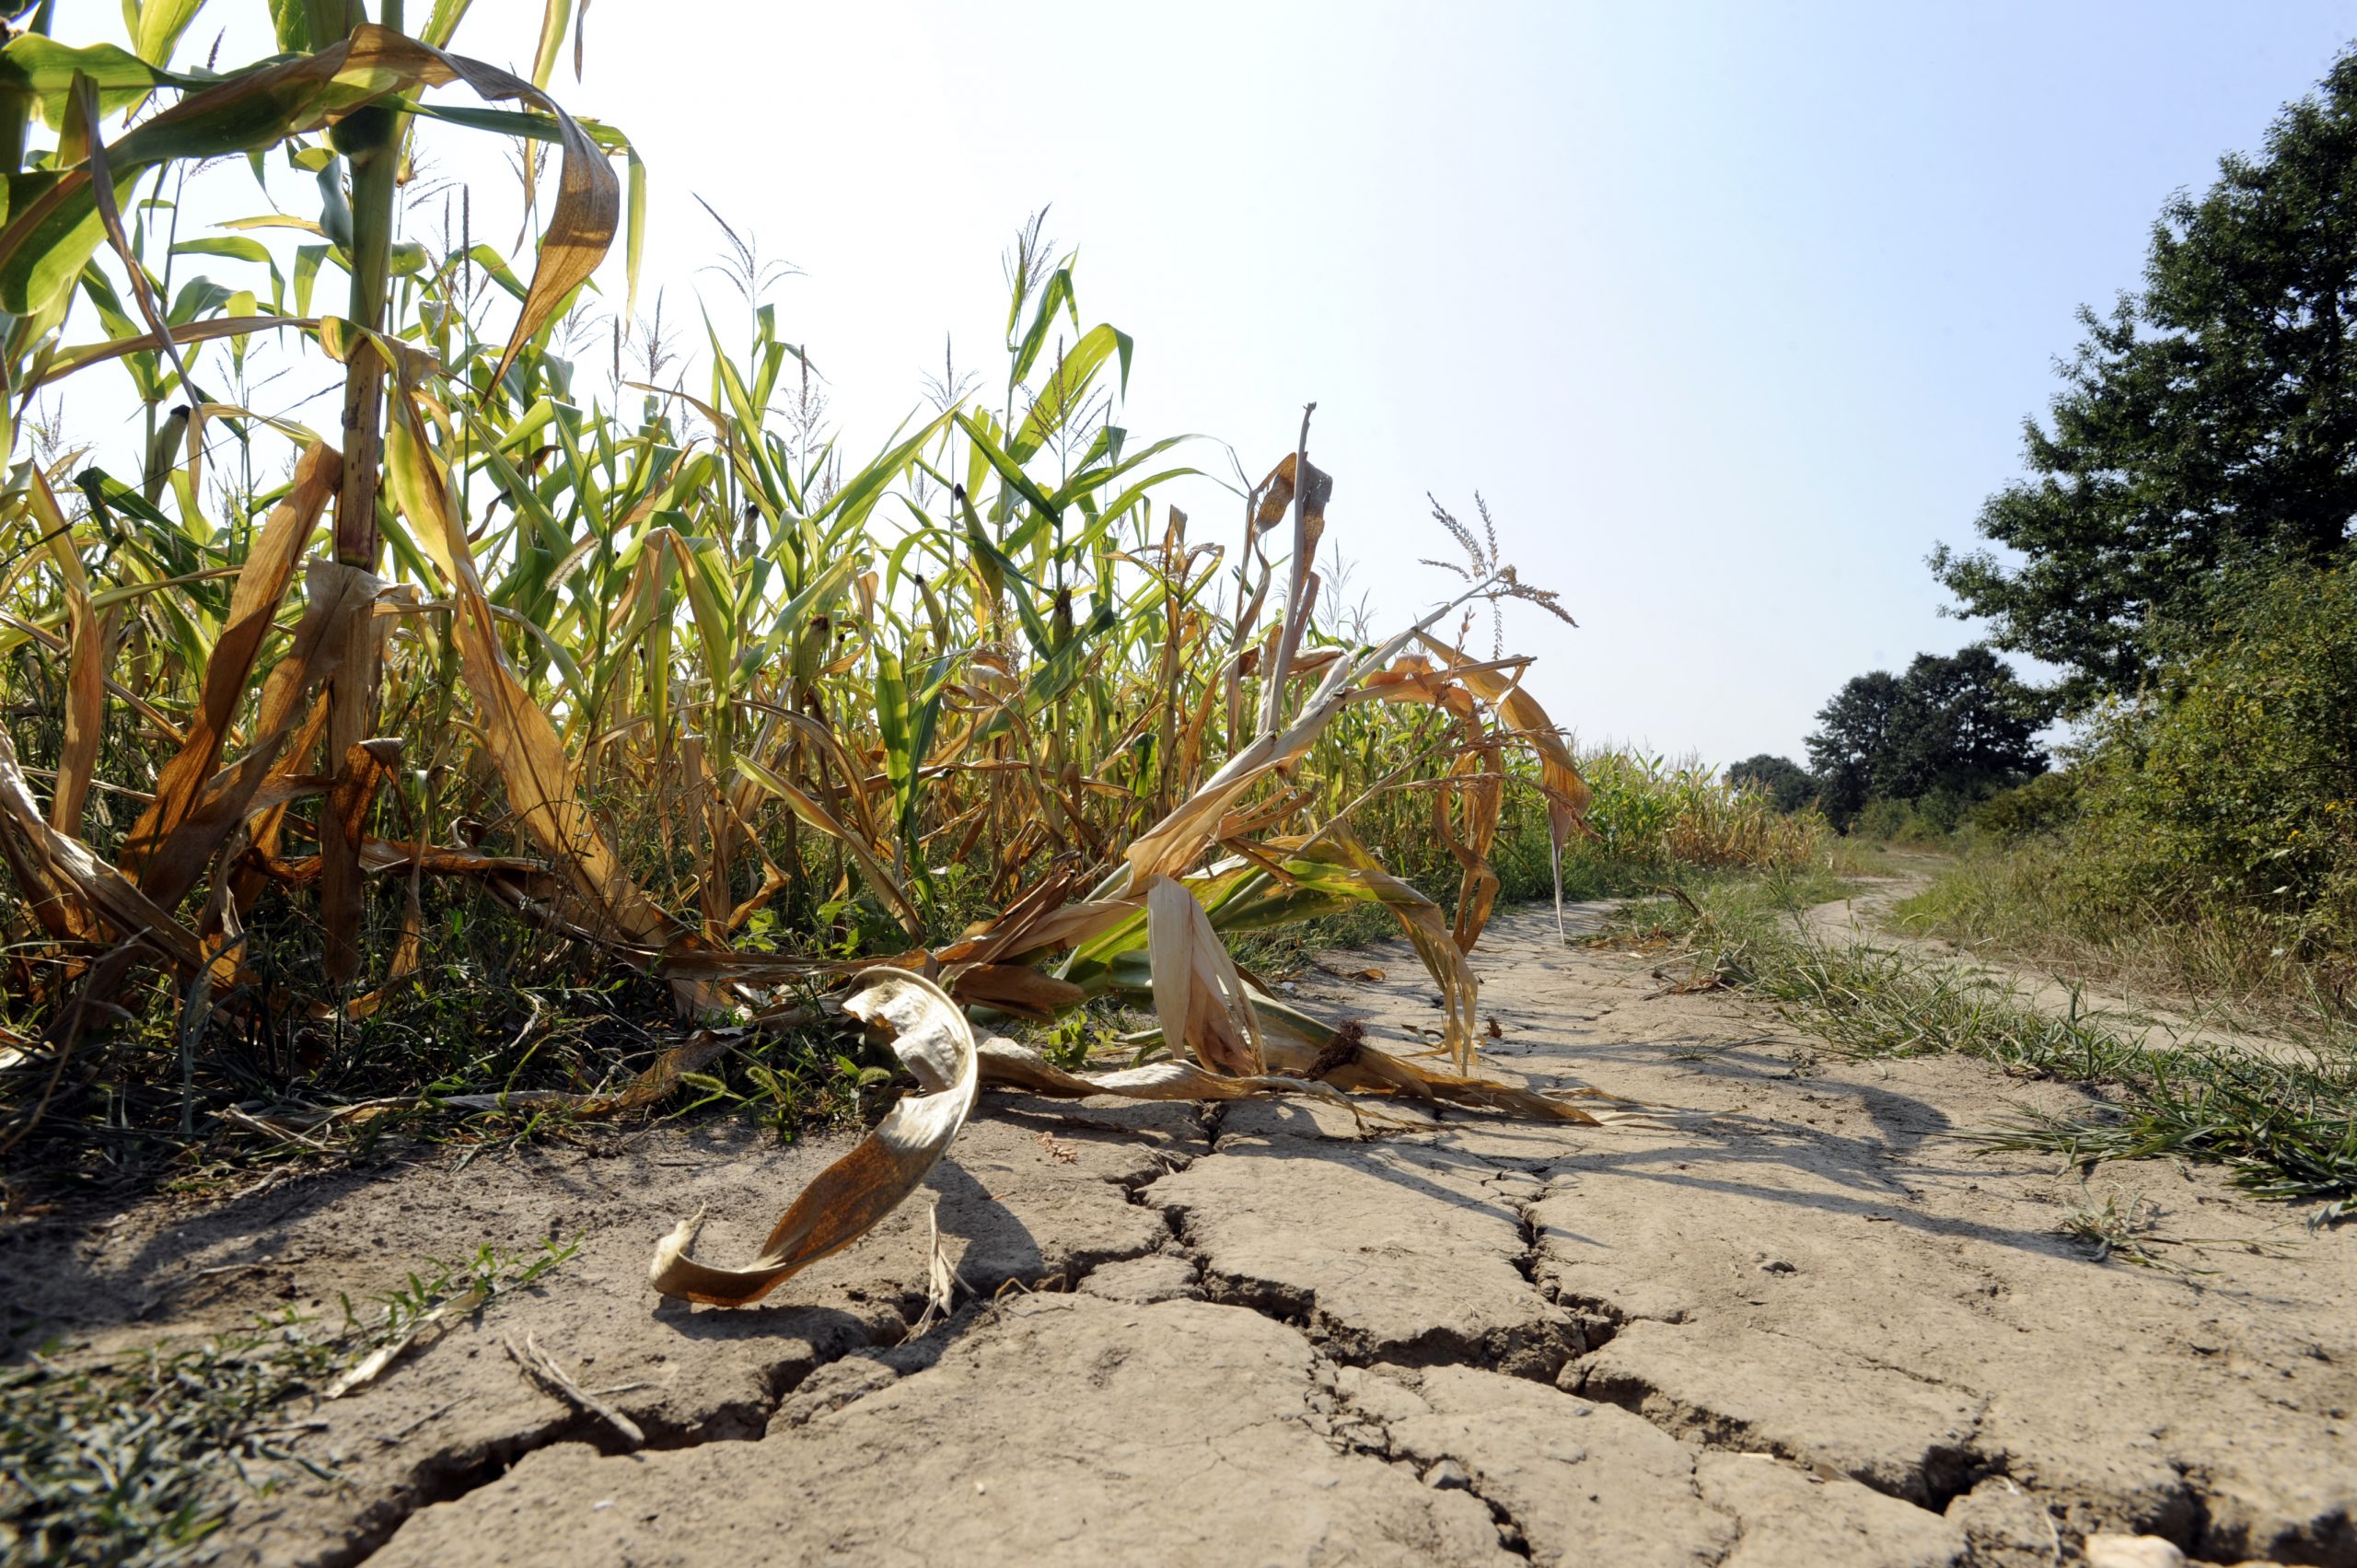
column 658, row 681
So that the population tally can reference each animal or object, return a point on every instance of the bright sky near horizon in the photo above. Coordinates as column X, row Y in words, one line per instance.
column 1732, row 311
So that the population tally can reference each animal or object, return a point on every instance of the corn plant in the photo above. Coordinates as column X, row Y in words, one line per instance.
column 658, row 670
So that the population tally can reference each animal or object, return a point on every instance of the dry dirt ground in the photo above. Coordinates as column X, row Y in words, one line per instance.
column 1812, row 1328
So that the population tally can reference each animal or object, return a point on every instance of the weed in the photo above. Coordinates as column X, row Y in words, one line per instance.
column 137, row 1458
column 2113, row 1232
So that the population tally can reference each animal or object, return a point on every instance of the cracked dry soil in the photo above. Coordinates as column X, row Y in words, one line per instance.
column 1814, row 1328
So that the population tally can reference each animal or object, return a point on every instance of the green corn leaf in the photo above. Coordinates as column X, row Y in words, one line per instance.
column 161, row 23
column 1058, row 292
column 1067, row 390
column 1009, row 472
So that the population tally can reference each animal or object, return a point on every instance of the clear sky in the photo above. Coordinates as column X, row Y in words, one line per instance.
column 1732, row 311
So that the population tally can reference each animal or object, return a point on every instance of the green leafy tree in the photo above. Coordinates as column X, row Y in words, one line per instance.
column 1781, row 779
column 2207, row 427
column 1853, row 728
column 1962, row 724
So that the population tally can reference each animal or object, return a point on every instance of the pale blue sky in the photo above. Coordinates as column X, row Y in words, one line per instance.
column 1731, row 310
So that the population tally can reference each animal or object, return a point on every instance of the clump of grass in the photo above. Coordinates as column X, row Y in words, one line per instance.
column 2288, row 1131
column 2112, row 1231
column 1716, row 909
column 137, row 1459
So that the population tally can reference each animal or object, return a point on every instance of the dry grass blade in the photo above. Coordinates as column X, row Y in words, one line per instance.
column 428, row 1326
column 936, row 1044
column 941, row 1278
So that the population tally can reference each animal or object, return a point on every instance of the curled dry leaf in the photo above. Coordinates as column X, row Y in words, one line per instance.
column 934, row 1042
column 1197, row 993
column 1016, row 989
column 1014, row 1066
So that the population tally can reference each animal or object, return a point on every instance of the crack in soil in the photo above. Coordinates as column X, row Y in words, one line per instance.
column 1511, row 1536
column 1933, row 1481
column 447, row 1477
column 1941, row 1473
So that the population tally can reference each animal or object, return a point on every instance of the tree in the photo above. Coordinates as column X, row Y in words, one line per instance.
column 1843, row 751
column 1781, row 779
column 2207, row 428
column 1962, row 724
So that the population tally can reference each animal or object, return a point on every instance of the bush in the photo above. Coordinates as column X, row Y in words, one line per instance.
column 1932, row 819
column 1648, row 811
column 2236, row 783
column 2047, row 804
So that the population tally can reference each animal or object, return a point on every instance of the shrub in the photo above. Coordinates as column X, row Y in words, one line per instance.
column 2235, row 783
column 1649, row 811
column 2047, row 804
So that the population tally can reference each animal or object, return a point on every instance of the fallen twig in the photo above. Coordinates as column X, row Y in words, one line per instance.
column 541, row 1369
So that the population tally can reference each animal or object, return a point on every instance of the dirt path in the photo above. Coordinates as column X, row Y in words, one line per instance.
column 1814, row 1329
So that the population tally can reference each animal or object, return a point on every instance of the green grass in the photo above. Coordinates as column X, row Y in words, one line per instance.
column 2245, row 964
column 137, row 1459
column 2286, row 1129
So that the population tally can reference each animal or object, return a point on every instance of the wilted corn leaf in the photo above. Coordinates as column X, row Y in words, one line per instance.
column 934, row 1042
column 1013, row 988
column 1299, row 1043
column 1014, row 1066
column 166, row 860
column 1338, row 868
column 864, row 855
column 1197, row 994
column 86, row 635
column 523, row 743
column 1559, row 774
column 44, row 245
column 55, row 868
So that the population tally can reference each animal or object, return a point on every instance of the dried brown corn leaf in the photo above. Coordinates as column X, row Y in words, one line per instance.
column 523, row 743
column 1366, row 1069
column 55, row 868
column 165, row 867
column 935, row 1044
column 1013, row 988
column 1559, row 772
column 333, row 591
column 1197, row 993
column 1013, row 1066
